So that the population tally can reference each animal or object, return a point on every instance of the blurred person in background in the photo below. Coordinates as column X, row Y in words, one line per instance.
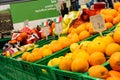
column 64, row 9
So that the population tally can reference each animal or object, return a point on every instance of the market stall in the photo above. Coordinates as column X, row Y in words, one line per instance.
column 80, row 46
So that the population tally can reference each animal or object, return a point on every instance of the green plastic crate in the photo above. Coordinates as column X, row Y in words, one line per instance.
column 66, row 75
column 3, row 41
column 12, row 70
column 44, row 72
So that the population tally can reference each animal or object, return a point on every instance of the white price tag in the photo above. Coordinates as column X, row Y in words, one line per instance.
column 81, row 2
column 98, row 23
column 46, row 31
column 58, row 28
column 26, row 22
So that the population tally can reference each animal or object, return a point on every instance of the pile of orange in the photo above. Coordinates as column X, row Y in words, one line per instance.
column 51, row 48
column 90, row 55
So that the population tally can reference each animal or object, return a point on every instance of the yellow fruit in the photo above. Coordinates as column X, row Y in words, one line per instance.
column 69, row 55
column 66, row 20
column 63, row 25
column 46, row 52
column 74, row 47
column 107, row 39
column 45, row 46
column 54, row 62
column 35, row 50
column 64, row 31
column 84, row 45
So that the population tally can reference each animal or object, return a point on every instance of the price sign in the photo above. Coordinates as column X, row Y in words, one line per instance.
column 58, row 29
column 26, row 22
column 98, row 23
column 46, row 31
column 58, row 7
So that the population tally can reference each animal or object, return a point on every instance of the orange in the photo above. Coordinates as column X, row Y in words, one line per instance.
column 35, row 50
column 116, row 5
column 119, row 10
column 30, row 58
column 46, row 52
column 87, row 26
column 111, row 48
column 113, row 78
column 97, row 58
column 108, row 18
column 116, row 36
column 42, row 35
column 24, row 55
column 64, row 41
column 108, row 25
column 84, row 45
column 65, row 64
column 80, row 28
column 116, row 20
column 97, row 45
column 83, row 35
column 115, row 61
column 23, row 35
column 46, row 46
column 98, row 71
column 74, row 46
column 79, row 65
column 91, row 29
column 80, row 54
column 107, row 39
column 114, row 73
column 68, row 55
column 19, row 38
column 37, row 55
column 73, row 37
column 70, row 29
column 55, row 46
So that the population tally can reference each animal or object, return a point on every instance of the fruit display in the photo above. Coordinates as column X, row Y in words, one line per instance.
column 68, row 18
column 81, row 54
column 83, row 26
column 90, row 56
column 24, row 40
column 56, row 45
